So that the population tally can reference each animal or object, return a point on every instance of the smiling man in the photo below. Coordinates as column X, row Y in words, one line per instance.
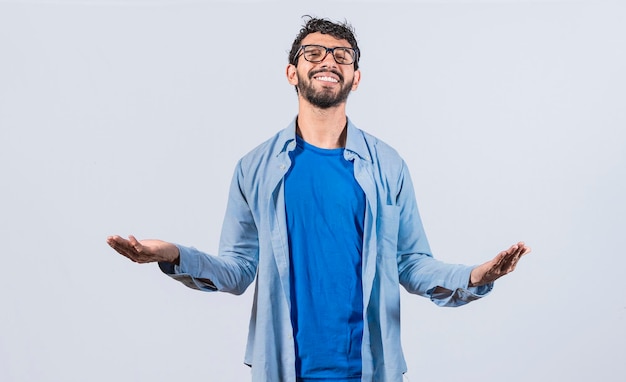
column 324, row 216
column 335, row 88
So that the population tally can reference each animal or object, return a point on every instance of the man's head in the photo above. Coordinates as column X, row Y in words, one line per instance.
column 323, row 63
column 340, row 31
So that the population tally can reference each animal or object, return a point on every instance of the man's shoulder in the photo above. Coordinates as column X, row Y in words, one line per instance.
column 378, row 148
column 270, row 148
column 383, row 145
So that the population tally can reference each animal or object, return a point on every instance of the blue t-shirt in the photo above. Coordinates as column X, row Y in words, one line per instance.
column 325, row 209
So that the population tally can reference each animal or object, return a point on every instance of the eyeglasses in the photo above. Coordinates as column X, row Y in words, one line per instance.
column 317, row 54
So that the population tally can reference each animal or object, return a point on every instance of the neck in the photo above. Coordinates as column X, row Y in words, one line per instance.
column 324, row 128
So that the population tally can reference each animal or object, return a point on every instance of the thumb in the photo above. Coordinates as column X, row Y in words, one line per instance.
column 134, row 243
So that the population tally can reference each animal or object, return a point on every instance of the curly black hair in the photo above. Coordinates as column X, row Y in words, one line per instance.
column 342, row 31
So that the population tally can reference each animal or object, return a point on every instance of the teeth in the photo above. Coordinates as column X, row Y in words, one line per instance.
column 328, row 79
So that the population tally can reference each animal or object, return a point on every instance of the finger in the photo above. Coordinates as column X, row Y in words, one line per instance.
column 117, row 243
column 505, row 257
column 524, row 250
column 134, row 242
column 123, row 247
column 521, row 250
column 510, row 258
column 527, row 249
column 141, row 252
column 112, row 240
column 138, row 249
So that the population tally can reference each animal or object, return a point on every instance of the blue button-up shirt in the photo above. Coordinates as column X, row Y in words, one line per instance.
column 254, row 243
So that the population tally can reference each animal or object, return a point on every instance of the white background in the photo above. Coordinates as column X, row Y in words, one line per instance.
column 127, row 117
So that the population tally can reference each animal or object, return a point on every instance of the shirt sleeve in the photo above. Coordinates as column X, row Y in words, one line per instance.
column 234, row 269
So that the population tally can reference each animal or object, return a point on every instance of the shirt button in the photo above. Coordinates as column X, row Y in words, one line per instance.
column 282, row 167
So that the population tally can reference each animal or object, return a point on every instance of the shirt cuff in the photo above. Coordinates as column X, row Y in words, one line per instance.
column 173, row 269
column 480, row 291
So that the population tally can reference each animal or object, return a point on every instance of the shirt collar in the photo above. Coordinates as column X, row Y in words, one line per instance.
column 355, row 141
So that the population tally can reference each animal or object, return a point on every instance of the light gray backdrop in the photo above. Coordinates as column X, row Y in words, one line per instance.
column 127, row 117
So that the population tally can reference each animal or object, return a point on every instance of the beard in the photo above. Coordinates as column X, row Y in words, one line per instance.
column 324, row 98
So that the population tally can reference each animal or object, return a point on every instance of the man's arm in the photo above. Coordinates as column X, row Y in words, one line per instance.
column 233, row 270
column 445, row 284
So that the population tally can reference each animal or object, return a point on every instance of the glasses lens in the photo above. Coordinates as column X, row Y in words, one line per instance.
column 344, row 56
column 314, row 53
column 317, row 53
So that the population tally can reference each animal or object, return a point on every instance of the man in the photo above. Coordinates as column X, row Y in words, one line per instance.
column 324, row 216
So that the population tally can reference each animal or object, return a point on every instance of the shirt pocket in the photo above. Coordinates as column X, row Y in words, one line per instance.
column 387, row 228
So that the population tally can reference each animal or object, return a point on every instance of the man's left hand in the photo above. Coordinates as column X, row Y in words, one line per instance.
column 504, row 263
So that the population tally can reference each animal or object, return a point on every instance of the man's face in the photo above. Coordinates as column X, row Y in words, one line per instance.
column 325, row 84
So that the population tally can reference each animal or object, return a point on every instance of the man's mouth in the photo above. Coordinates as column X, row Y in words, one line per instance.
column 327, row 76
column 326, row 79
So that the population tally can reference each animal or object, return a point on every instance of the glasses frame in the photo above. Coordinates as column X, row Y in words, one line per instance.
column 328, row 50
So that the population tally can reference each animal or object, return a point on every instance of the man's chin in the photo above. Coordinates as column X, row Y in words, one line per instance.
column 325, row 96
column 325, row 103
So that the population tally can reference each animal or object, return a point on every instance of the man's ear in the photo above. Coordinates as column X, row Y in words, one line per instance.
column 357, row 79
column 292, row 75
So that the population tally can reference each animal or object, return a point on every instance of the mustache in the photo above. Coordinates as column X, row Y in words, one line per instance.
column 333, row 71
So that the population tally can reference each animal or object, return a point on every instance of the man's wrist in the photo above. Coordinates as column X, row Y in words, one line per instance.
column 174, row 254
column 472, row 283
column 177, row 258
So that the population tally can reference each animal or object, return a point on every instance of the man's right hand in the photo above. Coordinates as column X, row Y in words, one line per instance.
column 145, row 251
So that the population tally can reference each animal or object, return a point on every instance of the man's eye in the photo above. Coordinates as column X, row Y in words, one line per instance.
column 315, row 53
column 344, row 55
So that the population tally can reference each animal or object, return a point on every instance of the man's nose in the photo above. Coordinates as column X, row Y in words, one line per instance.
column 329, row 61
